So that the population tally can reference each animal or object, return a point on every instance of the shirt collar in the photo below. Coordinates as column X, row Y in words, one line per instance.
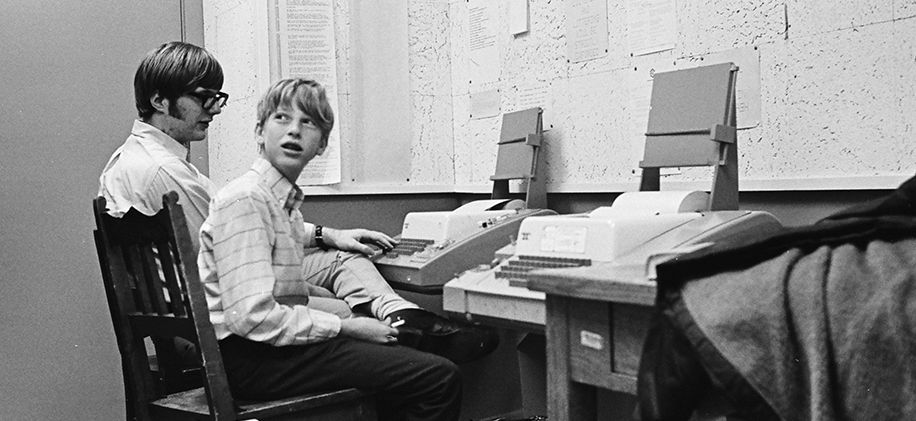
column 286, row 192
column 148, row 132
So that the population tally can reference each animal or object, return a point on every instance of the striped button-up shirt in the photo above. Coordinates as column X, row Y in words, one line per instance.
column 251, row 250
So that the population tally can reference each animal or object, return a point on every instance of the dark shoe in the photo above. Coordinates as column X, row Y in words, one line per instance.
column 429, row 332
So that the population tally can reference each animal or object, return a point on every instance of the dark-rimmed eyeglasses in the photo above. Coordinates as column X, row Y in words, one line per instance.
column 210, row 98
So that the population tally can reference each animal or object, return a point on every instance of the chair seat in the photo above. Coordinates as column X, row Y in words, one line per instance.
column 194, row 402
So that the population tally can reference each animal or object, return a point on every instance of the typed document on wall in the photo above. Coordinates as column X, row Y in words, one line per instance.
column 306, row 40
column 483, row 59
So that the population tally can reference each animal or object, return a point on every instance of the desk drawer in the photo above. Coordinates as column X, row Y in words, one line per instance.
column 631, row 324
column 605, row 343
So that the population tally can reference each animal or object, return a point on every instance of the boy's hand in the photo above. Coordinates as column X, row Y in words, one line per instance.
column 354, row 239
column 369, row 330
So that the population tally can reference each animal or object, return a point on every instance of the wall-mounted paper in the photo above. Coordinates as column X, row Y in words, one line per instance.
column 530, row 95
column 518, row 16
column 483, row 56
column 586, row 29
column 485, row 104
column 307, row 50
column 651, row 26
column 380, row 135
column 747, row 86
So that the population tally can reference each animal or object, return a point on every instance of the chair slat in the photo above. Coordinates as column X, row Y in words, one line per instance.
column 134, row 264
column 176, row 298
column 120, row 280
column 153, row 280
column 168, row 325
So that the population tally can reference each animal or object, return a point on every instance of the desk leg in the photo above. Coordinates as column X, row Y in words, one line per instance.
column 566, row 400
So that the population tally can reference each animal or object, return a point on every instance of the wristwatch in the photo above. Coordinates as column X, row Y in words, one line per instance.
column 319, row 237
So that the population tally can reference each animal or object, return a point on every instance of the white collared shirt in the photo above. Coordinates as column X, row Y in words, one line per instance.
column 149, row 164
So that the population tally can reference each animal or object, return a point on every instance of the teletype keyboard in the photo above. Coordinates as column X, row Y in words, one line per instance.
column 435, row 246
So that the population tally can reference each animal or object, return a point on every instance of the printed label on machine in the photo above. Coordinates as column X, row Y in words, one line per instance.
column 564, row 239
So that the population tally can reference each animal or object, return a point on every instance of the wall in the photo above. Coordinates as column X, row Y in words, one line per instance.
column 381, row 85
column 67, row 86
column 836, row 92
column 229, row 36
column 833, row 87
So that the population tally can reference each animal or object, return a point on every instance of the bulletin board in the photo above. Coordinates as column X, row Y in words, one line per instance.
column 825, row 92
column 826, row 97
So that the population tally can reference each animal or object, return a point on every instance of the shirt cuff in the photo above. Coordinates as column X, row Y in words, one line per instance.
column 310, row 234
column 324, row 325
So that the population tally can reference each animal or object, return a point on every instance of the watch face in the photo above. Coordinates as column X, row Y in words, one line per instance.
column 319, row 238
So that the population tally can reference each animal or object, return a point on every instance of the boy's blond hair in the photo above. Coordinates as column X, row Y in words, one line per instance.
column 308, row 95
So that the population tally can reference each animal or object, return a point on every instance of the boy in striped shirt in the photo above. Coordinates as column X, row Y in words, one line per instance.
column 257, row 258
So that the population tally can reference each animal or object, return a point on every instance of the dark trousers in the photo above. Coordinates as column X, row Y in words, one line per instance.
column 410, row 385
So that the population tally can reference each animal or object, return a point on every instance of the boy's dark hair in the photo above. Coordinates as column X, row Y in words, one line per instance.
column 307, row 95
column 174, row 69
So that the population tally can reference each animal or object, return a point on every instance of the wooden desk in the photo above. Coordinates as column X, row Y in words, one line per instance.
column 597, row 319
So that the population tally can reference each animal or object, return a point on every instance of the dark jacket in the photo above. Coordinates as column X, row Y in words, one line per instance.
column 789, row 326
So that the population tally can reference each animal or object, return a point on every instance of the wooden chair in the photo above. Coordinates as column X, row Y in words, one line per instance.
column 149, row 269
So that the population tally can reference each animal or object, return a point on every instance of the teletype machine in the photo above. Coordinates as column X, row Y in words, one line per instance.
column 691, row 123
column 435, row 246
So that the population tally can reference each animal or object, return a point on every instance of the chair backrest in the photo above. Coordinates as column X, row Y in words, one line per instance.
column 692, row 122
column 518, row 157
column 149, row 268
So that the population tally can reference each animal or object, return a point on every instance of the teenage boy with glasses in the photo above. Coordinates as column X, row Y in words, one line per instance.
column 176, row 90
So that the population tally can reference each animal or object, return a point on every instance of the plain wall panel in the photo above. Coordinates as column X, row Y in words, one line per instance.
column 66, row 83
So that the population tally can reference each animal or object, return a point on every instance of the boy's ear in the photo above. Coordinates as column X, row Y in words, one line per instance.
column 258, row 130
column 159, row 102
column 324, row 145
